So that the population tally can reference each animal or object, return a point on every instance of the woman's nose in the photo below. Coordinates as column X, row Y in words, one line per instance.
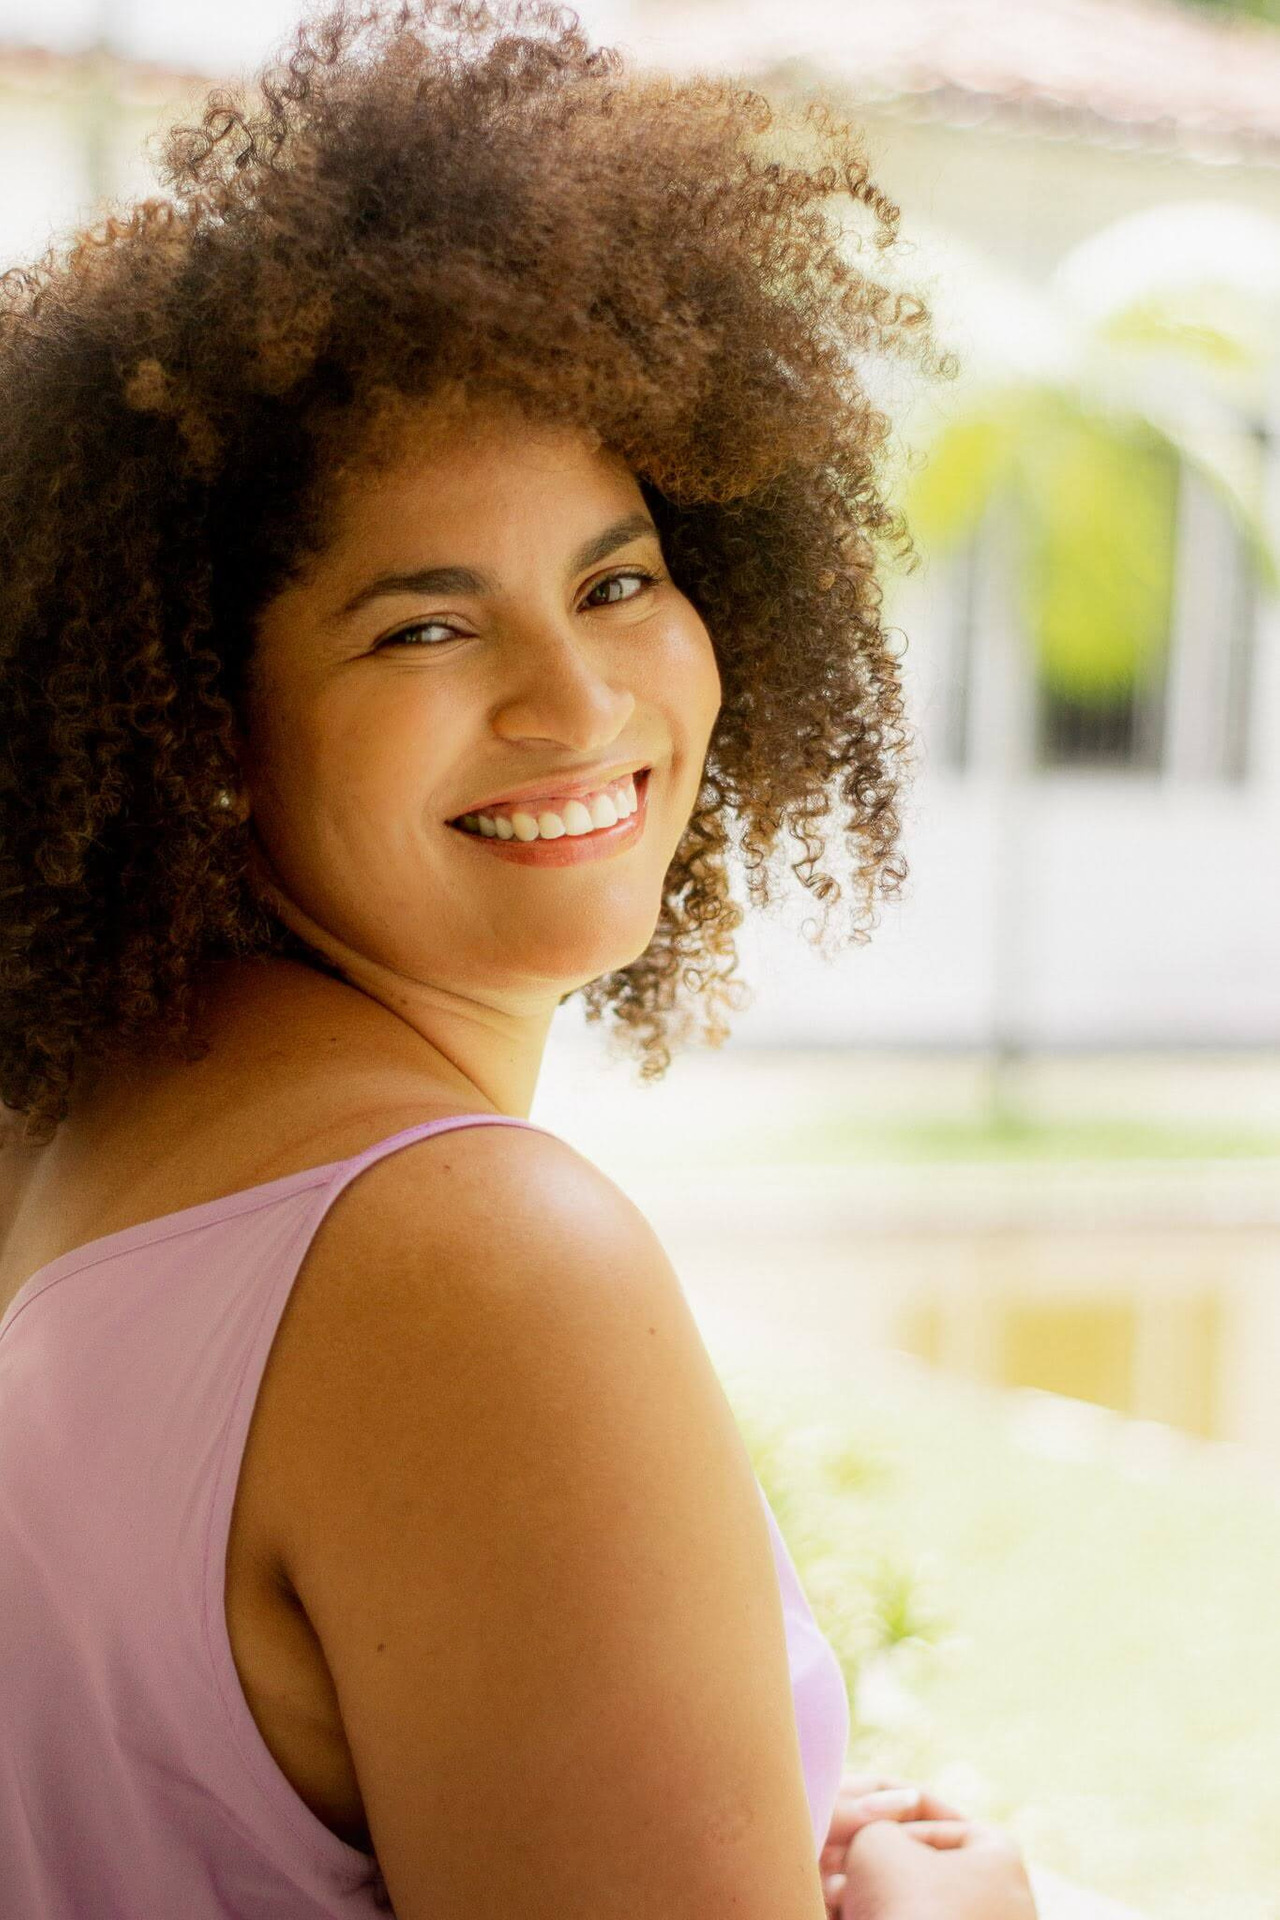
column 564, row 690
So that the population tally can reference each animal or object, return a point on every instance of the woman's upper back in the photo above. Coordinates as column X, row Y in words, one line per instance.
column 131, row 1371
column 507, row 1489
column 290, row 1081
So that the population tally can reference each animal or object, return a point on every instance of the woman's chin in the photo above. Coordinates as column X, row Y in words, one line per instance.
column 570, row 976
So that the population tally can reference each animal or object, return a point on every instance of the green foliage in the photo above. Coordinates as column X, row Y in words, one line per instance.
column 1084, row 463
column 1094, row 500
column 1255, row 9
column 826, row 1490
column 968, row 463
column 837, row 1138
column 903, row 1613
column 1149, row 325
column 1099, row 504
column 1105, row 1677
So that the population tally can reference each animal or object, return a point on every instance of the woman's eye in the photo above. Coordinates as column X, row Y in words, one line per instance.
column 628, row 573
column 419, row 626
column 404, row 635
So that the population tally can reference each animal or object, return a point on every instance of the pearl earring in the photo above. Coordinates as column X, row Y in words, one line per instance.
column 224, row 799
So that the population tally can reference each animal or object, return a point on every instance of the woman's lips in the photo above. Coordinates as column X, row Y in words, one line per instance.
column 570, row 850
column 550, row 797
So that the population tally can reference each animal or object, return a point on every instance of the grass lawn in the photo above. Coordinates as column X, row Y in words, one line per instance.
column 1085, row 1653
column 836, row 1139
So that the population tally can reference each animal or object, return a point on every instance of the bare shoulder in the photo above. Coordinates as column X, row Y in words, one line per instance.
column 472, row 1206
column 480, row 1248
column 530, row 1544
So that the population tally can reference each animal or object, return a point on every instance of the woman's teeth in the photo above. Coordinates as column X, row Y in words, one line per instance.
column 597, row 811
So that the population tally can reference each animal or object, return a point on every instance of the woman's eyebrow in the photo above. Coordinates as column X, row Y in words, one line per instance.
column 468, row 580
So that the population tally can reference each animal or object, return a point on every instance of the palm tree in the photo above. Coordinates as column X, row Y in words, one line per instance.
column 1076, row 417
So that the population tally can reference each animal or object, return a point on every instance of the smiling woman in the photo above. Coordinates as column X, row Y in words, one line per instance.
column 476, row 669
column 430, row 535
column 423, row 208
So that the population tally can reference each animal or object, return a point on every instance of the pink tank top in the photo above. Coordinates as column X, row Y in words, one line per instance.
column 133, row 1778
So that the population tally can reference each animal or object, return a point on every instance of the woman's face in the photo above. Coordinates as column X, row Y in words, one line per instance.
column 385, row 708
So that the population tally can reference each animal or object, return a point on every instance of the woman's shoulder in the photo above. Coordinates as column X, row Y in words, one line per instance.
column 459, row 1189
column 456, row 1226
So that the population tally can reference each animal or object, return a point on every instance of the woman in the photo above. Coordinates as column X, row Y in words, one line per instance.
column 425, row 536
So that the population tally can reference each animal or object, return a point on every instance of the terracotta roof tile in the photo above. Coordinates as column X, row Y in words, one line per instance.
column 40, row 69
column 1160, row 70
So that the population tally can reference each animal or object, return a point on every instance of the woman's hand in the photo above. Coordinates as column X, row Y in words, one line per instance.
column 866, row 1797
column 939, row 1870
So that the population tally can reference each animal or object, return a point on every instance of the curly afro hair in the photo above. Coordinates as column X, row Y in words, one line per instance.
column 416, row 199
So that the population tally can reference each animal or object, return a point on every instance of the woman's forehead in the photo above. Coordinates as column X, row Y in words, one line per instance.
column 409, row 436
column 477, row 472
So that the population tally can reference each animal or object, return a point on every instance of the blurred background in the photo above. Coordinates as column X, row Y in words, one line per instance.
column 981, row 1220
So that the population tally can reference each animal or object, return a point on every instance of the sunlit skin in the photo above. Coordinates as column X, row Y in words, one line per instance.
column 362, row 747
